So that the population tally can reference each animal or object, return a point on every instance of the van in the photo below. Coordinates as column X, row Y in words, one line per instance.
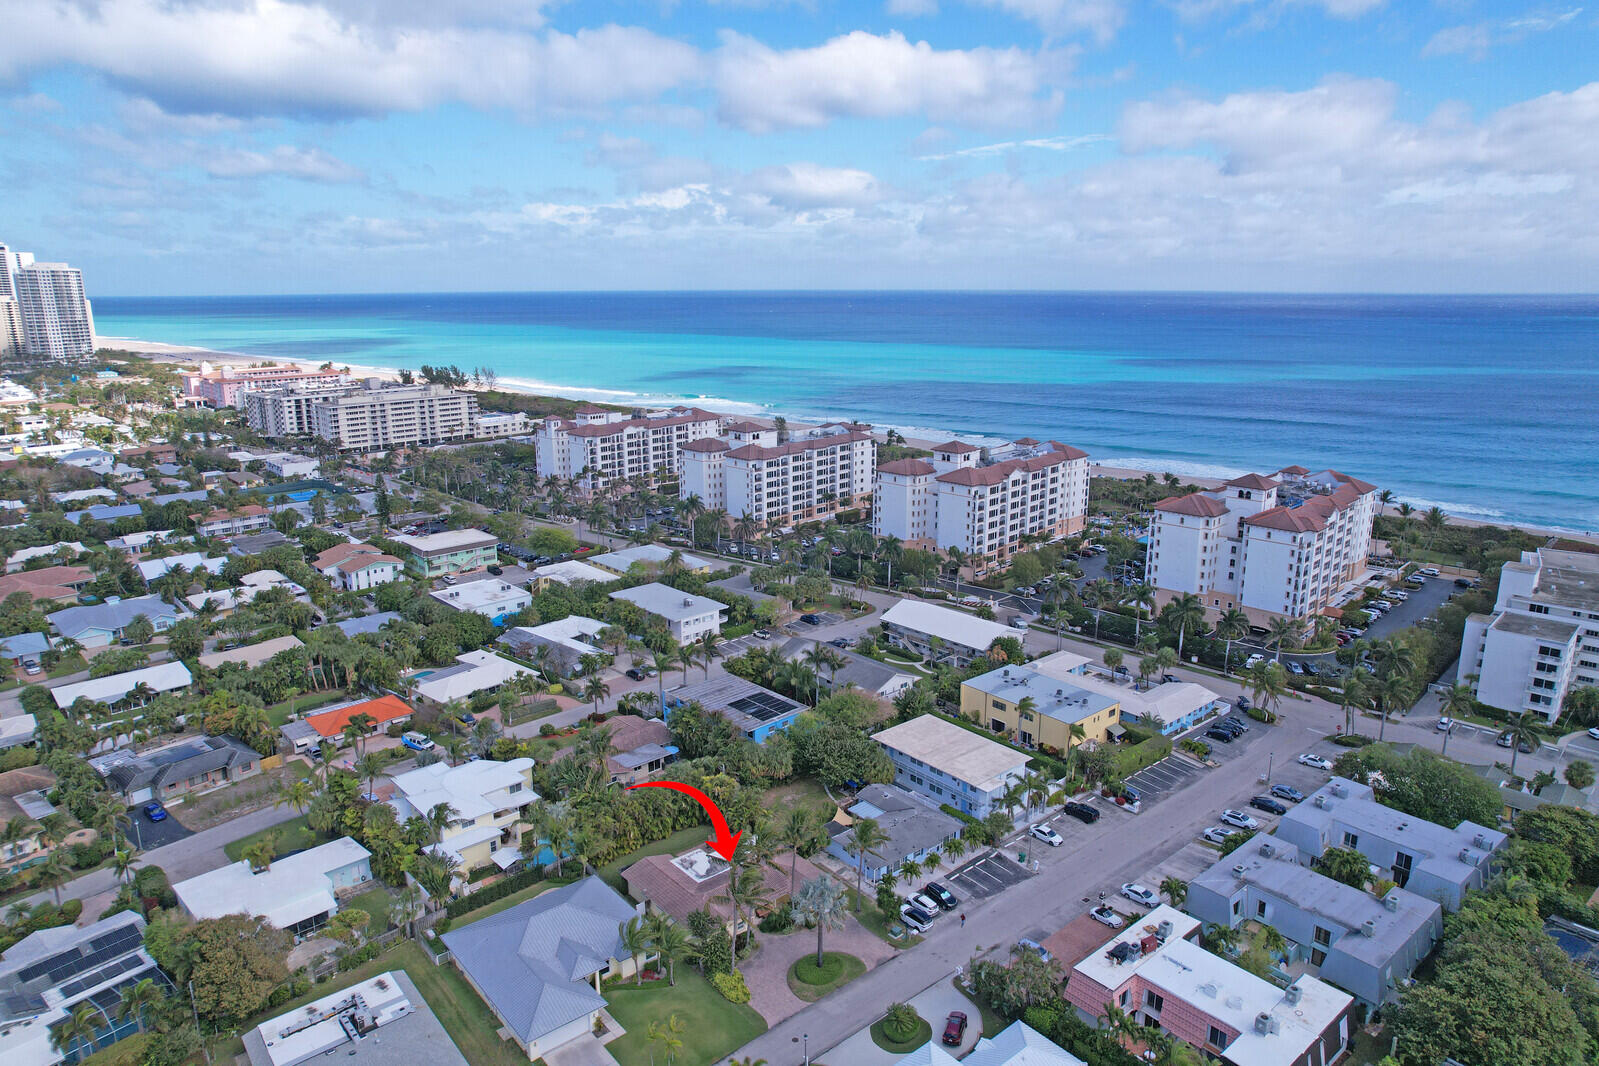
column 417, row 741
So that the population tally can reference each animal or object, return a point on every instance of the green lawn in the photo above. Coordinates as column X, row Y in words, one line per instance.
column 872, row 919
column 811, row 983
column 278, row 713
column 713, row 1027
column 293, row 835
column 800, row 792
column 375, row 901
column 920, row 1034
column 682, row 840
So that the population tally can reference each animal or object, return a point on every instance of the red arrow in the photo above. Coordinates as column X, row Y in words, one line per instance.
column 726, row 840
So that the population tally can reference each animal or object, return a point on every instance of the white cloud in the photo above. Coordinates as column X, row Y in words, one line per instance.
column 1262, row 11
column 307, row 164
column 1100, row 18
column 1475, row 41
column 863, row 75
column 252, row 57
column 804, row 186
column 1051, row 144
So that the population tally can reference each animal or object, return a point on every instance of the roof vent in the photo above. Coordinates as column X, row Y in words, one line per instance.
column 1208, row 989
column 1368, row 927
column 1239, row 869
column 1268, row 851
column 1293, row 993
column 1468, row 856
column 1321, row 801
column 1391, row 900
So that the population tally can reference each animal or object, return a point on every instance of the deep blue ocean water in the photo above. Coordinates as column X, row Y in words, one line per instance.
column 1487, row 406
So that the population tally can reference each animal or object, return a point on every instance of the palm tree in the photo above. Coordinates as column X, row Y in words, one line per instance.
column 746, row 891
column 122, row 864
column 1268, row 683
column 1175, row 889
column 1076, row 733
column 405, row 908
column 821, row 902
column 595, row 689
column 1232, row 624
column 1283, row 631
column 53, row 873
column 1113, row 660
column 76, row 1029
column 866, row 839
column 669, row 1035
column 635, row 940
column 1520, row 731
column 137, row 999
column 1186, row 612
column 438, row 819
column 671, row 943
column 1392, row 691
column 260, row 853
column 1353, row 693
column 798, row 829
column 900, row 1018
column 1384, row 498
column 1433, row 521
column 370, row 766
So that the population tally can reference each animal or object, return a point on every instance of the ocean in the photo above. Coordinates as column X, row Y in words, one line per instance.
column 1485, row 406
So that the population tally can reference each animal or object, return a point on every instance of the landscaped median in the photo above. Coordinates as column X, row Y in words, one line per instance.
column 901, row 1030
column 811, row 982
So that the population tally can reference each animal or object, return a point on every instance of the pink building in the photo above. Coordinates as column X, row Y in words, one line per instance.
column 1156, row 971
column 226, row 387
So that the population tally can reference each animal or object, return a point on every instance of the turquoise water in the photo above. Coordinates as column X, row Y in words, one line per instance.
column 1487, row 406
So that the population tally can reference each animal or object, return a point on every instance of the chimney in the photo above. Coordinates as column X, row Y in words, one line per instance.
column 1391, row 900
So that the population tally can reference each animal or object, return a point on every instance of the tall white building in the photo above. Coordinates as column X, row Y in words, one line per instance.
column 51, row 313
column 983, row 501
column 367, row 416
column 605, row 445
column 811, row 476
column 1542, row 639
column 1285, row 545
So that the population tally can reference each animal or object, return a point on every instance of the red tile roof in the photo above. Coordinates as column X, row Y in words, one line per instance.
column 1196, row 504
column 908, row 467
column 1068, row 451
column 247, row 511
column 1027, row 442
column 706, row 444
column 1296, row 469
column 794, row 447
column 384, row 709
column 1305, row 519
column 1359, row 486
column 958, row 447
column 993, row 475
column 1253, row 481
column 340, row 552
column 748, row 427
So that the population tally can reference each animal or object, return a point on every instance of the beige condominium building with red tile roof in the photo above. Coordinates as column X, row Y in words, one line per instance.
column 606, row 445
column 983, row 501
column 1286, row 545
column 812, row 475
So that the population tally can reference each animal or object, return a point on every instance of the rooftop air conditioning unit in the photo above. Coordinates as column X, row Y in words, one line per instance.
column 1263, row 1023
column 1163, row 930
column 1468, row 856
column 1368, row 927
column 1339, row 790
column 1391, row 900
column 1267, row 851
column 1321, row 801
column 1482, row 842
column 1208, row 989
column 1293, row 993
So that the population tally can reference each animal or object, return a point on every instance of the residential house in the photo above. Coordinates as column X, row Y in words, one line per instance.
column 1432, row 861
column 1367, row 946
column 49, row 584
column 139, row 543
column 941, row 634
column 476, row 671
column 688, row 616
column 256, row 543
column 643, row 748
column 24, row 646
column 117, row 689
column 329, row 724
column 155, row 569
column 354, row 567
column 297, row 893
column 540, row 964
column 22, row 796
column 489, row 800
column 451, row 552
column 101, row 624
column 71, row 549
column 251, row 585
column 914, row 825
column 369, row 623
column 570, row 572
column 870, row 676
column 251, row 655
column 189, row 766
column 653, row 557
column 384, row 1021
column 1157, row 973
column 249, row 518
column 105, row 512
column 494, row 599
column 568, row 639
column 754, row 711
column 679, row 885
column 951, row 764
column 1018, row 1044
column 48, row 975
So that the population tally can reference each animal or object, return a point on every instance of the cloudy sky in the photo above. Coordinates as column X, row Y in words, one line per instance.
column 244, row 146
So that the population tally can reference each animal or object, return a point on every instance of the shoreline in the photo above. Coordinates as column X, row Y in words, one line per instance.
column 1186, row 471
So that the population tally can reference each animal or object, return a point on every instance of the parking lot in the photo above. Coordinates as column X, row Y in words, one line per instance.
column 989, row 874
column 1171, row 773
column 737, row 646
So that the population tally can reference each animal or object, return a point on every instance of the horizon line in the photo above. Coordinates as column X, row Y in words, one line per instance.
column 1299, row 293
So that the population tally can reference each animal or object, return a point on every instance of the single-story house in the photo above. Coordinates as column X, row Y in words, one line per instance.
column 22, row 795
column 17, row 559
column 101, row 624
column 197, row 765
column 653, row 556
column 297, row 893
column 915, row 828
column 941, row 633
column 643, row 748
column 571, row 572
column 754, row 711
column 329, row 724
column 114, row 689
column 252, row 655
column 154, row 569
column 874, row 678
column 476, row 671
column 569, row 640
column 371, row 623
column 50, row 584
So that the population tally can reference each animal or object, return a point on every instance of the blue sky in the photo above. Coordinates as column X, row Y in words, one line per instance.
column 215, row 146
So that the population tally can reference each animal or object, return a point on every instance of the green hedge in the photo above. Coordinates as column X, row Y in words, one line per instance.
column 1351, row 740
column 498, row 890
column 732, row 987
column 975, row 827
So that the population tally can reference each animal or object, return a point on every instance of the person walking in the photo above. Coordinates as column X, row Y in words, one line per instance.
column 963, row 921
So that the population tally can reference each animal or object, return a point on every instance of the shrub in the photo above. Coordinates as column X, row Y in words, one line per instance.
column 1351, row 740
column 1260, row 714
column 498, row 890
column 1195, row 747
column 732, row 987
column 716, row 953
column 780, row 920
column 975, row 829
column 546, row 730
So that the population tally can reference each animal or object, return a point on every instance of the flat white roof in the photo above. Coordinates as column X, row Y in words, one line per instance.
column 489, row 597
column 666, row 602
column 164, row 677
column 959, row 752
column 252, row 655
column 1164, row 703
column 478, row 670
column 295, row 888
column 473, row 788
column 566, row 632
column 151, row 569
column 447, row 541
column 948, row 625
column 315, row 1029
column 572, row 571
column 651, row 554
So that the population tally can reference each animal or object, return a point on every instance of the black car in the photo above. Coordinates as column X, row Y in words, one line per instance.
column 1242, row 703
column 1219, row 734
column 1237, row 723
column 1082, row 812
column 1269, row 805
column 839, row 642
column 1168, row 678
column 940, row 895
column 636, row 674
column 1230, row 728
column 811, row 619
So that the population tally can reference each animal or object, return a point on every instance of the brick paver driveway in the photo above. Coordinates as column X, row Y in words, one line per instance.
column 766, row 972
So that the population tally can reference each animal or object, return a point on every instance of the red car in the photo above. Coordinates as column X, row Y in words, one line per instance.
column 955, row 1028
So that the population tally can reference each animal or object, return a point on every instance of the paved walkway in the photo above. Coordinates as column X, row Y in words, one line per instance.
column 766, row 972
column 934, row 1004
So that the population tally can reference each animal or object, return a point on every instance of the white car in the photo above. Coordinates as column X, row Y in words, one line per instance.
column 1445, row 724
column 1253, row 660
column 913, row 923
column 1593, row 731
column 925, row 903
column 1428, row 571
column 1218, row 834
column 1396, row 594
column 1239, row 819
column 1047, row 835
column 1315, row 762
column 1139, row 894
column 1105, row 916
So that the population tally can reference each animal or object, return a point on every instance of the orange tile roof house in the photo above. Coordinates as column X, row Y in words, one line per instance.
column 385, row 709
column 50, row 584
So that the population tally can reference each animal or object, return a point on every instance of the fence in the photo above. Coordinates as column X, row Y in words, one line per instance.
column 373, row 947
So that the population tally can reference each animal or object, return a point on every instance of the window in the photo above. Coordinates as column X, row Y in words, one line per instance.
column 1351, row 840
column 1216, row 1038
column 1323, row 936
column 1260, row 908
column 1153, row 1001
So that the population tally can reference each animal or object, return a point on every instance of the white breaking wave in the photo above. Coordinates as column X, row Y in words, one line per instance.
column 1180, row 467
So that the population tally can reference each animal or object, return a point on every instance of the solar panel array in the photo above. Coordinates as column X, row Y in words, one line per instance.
column 762, row 706
column 98, row 951
column 126, row 964
column 109, row 1000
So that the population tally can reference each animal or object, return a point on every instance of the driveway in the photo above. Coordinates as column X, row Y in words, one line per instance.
column 148, row 835
column 766, row 972
column 933, row 1003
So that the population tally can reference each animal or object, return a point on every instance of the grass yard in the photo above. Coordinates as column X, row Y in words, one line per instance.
column 872, row 919
column 810, row 982
column 714, row 1027
column 278, row 713
column 682, row 840
column 520, row 896
column 375, row 901
column 293, row 835
column 800, row 792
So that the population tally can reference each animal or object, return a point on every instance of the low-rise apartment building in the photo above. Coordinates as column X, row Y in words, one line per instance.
column 812, row 475
column 1290, row 545
column 686, row 615
column 489, row 800
column 227, row 386
column 494, row 599
column 1542, row 639
column 599, row 445
column 1432, row 861
column 983, row 501
column 1347, row 936
column 354, row 567
column 1039, row 704
column 1166, row 979
column 452, row 552
column 951, row 764
column 372, row 415
column 912, row 823
column 224, row 522
column 941, row 634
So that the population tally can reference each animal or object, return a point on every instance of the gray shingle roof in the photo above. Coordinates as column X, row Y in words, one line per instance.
column 533, row 961
column 110, row 616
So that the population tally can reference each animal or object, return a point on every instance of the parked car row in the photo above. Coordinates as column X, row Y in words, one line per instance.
column 920, row 908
